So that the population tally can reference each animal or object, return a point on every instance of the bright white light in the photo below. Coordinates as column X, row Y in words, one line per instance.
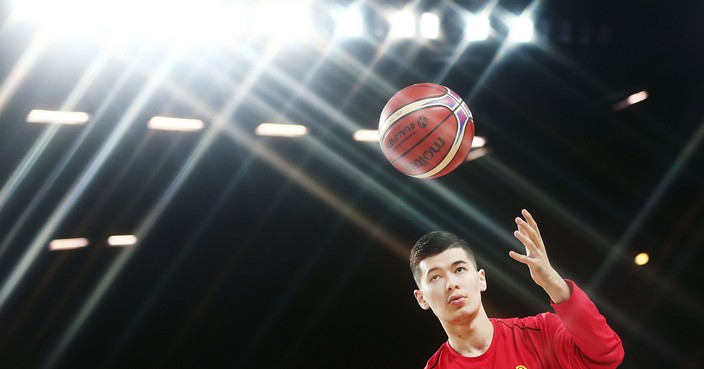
column 235, row 19
column 366, row 135
column 175, row 124
column 475, row 154
column 637, row 97
column 281, row 130
column 430, row 26
column 350, row 23
column 477, row 28
column 630, row 100
column 57, row 117
column 122, row 240
column 478, row 141
column 188, row 21
column 145, row 20
column 53, row 14
column 521, row 30
column 403, row 25
column 282, row 21
column 68, row 243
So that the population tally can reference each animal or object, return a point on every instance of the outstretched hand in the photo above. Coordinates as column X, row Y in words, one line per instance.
column 536, row 258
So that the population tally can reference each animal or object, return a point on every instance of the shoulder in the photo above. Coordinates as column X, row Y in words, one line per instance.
column 434, row 361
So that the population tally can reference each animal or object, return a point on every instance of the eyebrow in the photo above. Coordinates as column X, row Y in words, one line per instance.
column 458, row 262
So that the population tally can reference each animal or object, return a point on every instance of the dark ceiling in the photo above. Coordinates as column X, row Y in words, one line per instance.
column 261, row 252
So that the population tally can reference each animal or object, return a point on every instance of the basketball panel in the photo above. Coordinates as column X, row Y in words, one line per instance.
column 414, row 127
column 410, row 95
column 461, row 155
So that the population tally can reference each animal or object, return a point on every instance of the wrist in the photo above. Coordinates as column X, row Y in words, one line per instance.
column 558, row 290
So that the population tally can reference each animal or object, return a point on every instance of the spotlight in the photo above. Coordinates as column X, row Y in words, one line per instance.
column 477, row 28
column 403, row 25
column 350, row 23
column 430, row 26
column 521, row 30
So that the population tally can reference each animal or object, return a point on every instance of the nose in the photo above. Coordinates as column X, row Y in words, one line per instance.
column 452, row 283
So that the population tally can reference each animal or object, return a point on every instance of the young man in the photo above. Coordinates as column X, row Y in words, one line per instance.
column 450, row 284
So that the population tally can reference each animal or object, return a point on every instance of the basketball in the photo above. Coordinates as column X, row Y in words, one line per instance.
column 426, row 130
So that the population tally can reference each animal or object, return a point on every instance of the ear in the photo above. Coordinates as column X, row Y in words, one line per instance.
column 421, row 301
column 482, row 280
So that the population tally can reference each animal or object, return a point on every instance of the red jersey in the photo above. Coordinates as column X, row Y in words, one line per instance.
column 576, row 337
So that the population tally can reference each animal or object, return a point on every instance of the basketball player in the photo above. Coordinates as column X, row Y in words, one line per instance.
column 450, row 284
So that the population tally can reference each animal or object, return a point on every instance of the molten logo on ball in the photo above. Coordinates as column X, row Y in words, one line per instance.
column 426, row 130
column 426, row 158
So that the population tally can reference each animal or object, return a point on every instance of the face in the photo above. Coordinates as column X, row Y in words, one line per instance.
column 451, row 286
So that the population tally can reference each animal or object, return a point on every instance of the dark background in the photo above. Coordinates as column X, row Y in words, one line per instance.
column 261, row 252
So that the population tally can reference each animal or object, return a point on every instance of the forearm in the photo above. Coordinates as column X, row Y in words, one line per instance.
column 589, row 330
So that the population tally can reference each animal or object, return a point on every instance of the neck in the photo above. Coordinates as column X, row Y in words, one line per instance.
column 470, row 338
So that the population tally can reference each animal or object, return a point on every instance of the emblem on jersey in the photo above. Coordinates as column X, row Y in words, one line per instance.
column 521, row 367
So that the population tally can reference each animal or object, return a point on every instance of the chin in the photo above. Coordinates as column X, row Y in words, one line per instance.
column 461, row 316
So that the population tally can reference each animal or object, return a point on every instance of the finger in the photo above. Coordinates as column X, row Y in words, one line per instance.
column 520, row 258
column 531, row 231
column 531, row 249
column 529, row 234
column 531, row 221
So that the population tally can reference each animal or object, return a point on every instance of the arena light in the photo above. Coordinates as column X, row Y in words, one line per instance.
column 49, row 13
column 403, row 25
column 350, row 23
column 68, row 243
column 284, row 21
column 478, row 141
column 637, row 97
column 366, row 135
column 630, row 100
column 641, row 259
column 57, row 117
column 179, row 22
column 174, row 124
column 430, row 26
column 521, row 30
column 477, row 28
column 122, row 240
column 281, row 130
column 476, row 154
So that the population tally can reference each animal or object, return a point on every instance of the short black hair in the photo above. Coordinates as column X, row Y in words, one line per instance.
column 434, row 243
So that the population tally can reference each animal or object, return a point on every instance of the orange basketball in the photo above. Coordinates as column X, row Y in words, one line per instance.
column 426, row 130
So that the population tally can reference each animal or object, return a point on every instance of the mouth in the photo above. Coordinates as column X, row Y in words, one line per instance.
column 456, row 300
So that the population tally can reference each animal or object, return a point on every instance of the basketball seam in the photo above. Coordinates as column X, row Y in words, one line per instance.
column 445, row 91
column 384, row 128
column 469, row 117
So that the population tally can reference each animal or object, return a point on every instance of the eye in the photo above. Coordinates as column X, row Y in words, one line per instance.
column 460, row 270
column 435, row 277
